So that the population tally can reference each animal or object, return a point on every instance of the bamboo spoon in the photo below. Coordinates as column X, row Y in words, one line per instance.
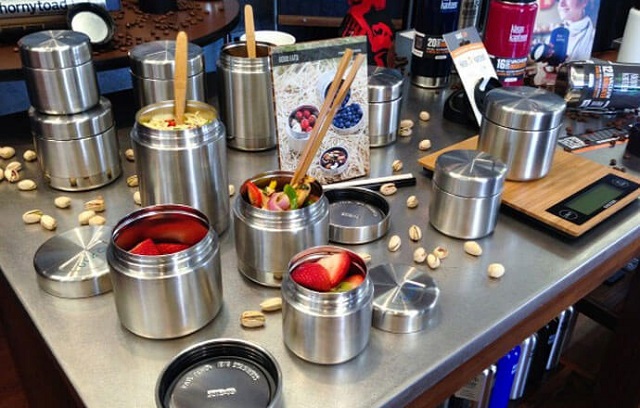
column 249, row 28
column 180, row 77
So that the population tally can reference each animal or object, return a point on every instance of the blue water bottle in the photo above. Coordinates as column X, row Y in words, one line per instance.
column 505, row 374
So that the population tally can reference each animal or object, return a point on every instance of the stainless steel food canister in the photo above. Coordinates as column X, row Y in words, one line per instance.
column 520, row 126
column 152, row 70
column 77, row 152
column 385, row 103
column 266, row 240
column 183, row 166
column 245, row 95
column 466, row 190
column 326, row 327
column 59, row 72
column 168, row 295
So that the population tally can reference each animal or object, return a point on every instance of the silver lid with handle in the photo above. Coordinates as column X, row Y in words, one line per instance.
column 385, row 84
column 524, row 108
column 155, row 59
column 469, row 173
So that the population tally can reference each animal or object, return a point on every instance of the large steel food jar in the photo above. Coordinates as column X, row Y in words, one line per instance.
column 183, row 165
column 266, row 240
column 77, row 152
column 161, row 293
column 59, row 71
column 520, row 126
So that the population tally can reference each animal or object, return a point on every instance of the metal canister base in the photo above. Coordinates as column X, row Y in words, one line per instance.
column 382, row 140
column 83, row 183
column 429, row 82
column 268, row 279
column 251, row 145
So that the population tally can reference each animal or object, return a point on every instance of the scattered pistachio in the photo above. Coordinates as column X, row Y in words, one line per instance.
column 62, row 202
column 366, row 257
column 396, row 165
column 405, row 132
column 97, row 220
column 128, row 154
column 232, row 190
column 12, row 175
column 495, row 270
column 1, row 174
column 388, row 189
column 27, row 185
column 415, row 233
column 472, row 248
column 433, row 261
column 394, row 243
column 419, row 255
column 271, row 304
column 406, row 123
column 424, row 116
column 252, row 319
column 48, row 222
column 7, row 152
column 29, row 155
column 14, row 165
column 85, row 216
column 32, row 217
column 136, row 198
column 132, row 181
column 425, row 144
column 441, row 252
column 412, row 201
column 97, row 204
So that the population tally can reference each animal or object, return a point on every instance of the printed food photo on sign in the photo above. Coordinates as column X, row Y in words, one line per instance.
column 302, row 75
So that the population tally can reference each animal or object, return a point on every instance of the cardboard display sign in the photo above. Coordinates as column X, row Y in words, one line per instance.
column 302, row 74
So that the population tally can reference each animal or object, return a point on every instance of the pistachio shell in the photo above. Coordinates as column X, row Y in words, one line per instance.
column 433, row 261
column 27, row 185
column 232, row 190
column 394, row 243
column 29, row 155
column 419, row 255
column 495, row 270
column 62, row 202
column 128, row 154
column 85, row 216
column 397, row 165
column 425, row 144
column 472, row 248
column 136, row 198
column 32, row 216
column 97, row 220
column 48, row 222
column 412, row 201
column 7, row 152
column 252, row 319
column 271, row 304
column 424, row 116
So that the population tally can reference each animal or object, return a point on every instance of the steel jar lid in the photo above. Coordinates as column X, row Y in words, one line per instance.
column 385, row 84
column 356, row 215
column 524, row 108
column 221, row 373
column 155, row 60
column 54, row 49
column 469, row 173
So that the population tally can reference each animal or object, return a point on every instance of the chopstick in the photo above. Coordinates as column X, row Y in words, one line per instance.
column 180, row 77
column 250, row 31
column 327, row 112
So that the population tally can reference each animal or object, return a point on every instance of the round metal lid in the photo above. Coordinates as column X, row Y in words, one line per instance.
column 54, row 49
column 385, row 84
column 356, row 215
column 403, row 298
column 469, row 173
column 70, row 127
column 221, row 373
column 524, row 108
column 73, row 264
column 155, row 59
column 92, row 20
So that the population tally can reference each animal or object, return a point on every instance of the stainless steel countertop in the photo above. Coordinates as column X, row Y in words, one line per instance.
column 111, row 367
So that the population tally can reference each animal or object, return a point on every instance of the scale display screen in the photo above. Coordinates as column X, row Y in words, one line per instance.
column 593, row 199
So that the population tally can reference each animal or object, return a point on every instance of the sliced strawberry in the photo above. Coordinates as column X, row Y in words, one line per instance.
column 254, row 194
column 145, row 247
column 312, row 276
column 337, row 265
column 170, row 247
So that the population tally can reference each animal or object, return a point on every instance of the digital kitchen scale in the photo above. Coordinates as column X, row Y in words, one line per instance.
column 576, row 195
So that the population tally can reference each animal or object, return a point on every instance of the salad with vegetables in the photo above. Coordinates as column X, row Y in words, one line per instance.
column 277, row 196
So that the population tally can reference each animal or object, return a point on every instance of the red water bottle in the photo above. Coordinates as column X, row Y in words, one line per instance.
column 507, row 37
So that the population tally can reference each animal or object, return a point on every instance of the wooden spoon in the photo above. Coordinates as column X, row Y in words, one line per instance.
column 180, row 77
column 250, row 31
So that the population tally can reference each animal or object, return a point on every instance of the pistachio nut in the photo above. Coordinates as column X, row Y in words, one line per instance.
column 12, row 175
column 412, row 201
column 425, row 144
column 433, row 261
column 271, row 304
column 85, row 216
column 32, row 216
column 405, row 132
column 27, row 185
column 62, row 202
column 128, row 154
column 366, row 257
column 424, row 116
column 388, row 189
column 441, row 252
column 419, row 255
column 397, row 165
column 415, row 233
column 136, row 198
column 394, row 243
column 472, row 248
column 495, row 270
column 14, row 165
column 29, row 155
column 7, row 152
column 97, row 220
column 96, row 204
column 132, row 181
column 252, row 319
column 48, row 222
column 406, row 123
column 232, row 190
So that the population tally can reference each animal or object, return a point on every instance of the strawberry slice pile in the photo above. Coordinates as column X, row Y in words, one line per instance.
column 149, row 247
column 327, row 274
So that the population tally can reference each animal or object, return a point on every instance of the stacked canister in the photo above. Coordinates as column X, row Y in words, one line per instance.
column 72, row 125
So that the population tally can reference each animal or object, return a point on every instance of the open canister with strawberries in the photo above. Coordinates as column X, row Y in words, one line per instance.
column 327, row 305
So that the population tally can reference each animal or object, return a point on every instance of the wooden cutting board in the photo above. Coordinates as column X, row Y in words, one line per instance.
column 569, row 174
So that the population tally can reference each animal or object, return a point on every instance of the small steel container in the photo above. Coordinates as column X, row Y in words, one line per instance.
column 77, row 152
column 59, row 71
column 520, row 126
column 385, row 103
column 172, row 295
column 266, row 240
column 152, row 70
column 186, row 166
column 246, row 97
column 326, row 327
column 466, row 190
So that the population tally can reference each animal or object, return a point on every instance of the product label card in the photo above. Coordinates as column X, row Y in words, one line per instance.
column 471, row 60
column 302, row 74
